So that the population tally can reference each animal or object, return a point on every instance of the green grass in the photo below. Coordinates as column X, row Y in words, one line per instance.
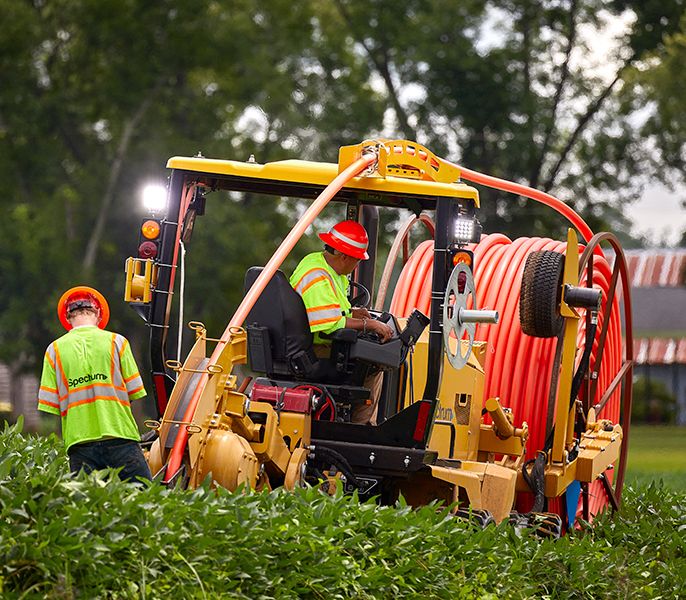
column 93, row 537
column 657, row 453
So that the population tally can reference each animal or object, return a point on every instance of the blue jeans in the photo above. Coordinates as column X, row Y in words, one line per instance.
column 114, row 453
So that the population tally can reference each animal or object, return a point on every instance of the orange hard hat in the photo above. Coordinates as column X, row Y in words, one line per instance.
column 82, row 296
column 348, row 237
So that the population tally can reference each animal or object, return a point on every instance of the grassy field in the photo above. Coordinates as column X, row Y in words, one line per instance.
column 657, row 453
column 96, row 537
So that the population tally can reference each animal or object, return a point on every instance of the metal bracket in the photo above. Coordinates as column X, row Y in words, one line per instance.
column 176, row 365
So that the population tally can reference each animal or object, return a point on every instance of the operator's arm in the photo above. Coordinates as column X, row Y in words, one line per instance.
column 48, row 396
column 360, row 313
column 130, row 374
column 366, row 324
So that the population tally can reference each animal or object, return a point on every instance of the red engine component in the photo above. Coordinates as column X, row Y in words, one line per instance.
column 289, row 399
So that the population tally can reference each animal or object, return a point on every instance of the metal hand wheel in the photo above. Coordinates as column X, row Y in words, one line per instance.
column 457, row 318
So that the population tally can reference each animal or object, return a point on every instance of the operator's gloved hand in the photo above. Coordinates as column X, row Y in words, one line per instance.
column 381, row 329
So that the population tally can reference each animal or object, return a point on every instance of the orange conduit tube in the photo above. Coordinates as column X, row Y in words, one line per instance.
column 176, row 454
column 527, row 192
column 519, row 368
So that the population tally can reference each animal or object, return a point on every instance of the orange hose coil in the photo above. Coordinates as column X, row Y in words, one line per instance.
column 519, row 367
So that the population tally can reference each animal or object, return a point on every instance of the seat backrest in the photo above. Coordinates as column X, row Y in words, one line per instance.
column 281, row 310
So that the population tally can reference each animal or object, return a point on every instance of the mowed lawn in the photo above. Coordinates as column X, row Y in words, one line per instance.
column 657, row 453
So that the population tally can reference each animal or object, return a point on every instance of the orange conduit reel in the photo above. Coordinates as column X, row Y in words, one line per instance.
column 519, row 368
column 88, row 296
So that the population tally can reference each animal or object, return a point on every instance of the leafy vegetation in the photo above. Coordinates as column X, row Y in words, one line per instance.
column 652, row 402
column 64, row 537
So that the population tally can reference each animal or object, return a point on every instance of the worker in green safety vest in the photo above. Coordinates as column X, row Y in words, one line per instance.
column 90, row 378
column 321, row 279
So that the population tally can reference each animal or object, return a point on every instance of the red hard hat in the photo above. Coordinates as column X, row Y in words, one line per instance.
column 83, row 296
column 348, row 237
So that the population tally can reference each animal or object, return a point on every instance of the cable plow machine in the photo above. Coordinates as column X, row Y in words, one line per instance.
column 518, row 410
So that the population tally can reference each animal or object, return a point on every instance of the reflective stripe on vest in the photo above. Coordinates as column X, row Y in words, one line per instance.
column 46, row 395
column 310, row 278
column 134, row 383
column 329, row 313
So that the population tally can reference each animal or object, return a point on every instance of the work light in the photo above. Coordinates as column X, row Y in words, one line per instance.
column 467, row 230
column 155, row 197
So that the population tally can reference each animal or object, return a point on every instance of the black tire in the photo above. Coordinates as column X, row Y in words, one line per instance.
column 539, row 298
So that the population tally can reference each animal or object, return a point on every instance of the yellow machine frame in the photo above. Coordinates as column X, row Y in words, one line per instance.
column 478, row 461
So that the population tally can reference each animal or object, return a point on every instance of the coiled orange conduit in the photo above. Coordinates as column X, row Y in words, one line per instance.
column 519, row 367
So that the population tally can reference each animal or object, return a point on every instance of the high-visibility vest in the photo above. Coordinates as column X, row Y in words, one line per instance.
column 325, row 294
column 90, row 378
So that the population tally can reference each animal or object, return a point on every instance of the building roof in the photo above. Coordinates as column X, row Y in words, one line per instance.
column 658, row 298
column 660, row 351
column 657, row 267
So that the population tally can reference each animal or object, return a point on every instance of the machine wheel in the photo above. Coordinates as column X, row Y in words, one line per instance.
column 460, row 287
column 539, row 300
column 477, row 516
column 543, row 525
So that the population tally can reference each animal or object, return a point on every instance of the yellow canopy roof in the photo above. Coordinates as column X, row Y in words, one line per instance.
column 297, row 177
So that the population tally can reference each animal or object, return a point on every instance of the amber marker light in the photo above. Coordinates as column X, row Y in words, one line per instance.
column 150, row 229
column 462, row 257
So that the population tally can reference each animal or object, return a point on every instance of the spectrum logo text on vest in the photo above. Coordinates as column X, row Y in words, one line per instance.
column 87, row 379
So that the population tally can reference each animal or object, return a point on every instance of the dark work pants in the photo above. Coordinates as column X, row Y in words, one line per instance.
column 114, row 453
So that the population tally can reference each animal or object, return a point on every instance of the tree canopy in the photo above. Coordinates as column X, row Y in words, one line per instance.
column 96, row 96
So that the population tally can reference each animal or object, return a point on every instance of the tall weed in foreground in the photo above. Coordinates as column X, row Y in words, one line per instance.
column 96, row 537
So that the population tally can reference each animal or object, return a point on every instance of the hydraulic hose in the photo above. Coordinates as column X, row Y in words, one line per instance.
column 527, row 192
column 176, row 454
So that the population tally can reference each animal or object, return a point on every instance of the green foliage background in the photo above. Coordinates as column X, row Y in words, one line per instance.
column 97, row 94
column 89, row 537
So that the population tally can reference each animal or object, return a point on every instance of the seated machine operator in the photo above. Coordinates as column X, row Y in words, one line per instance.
column 321, row 279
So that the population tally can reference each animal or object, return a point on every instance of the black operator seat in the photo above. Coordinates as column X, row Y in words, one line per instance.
column 280, row 342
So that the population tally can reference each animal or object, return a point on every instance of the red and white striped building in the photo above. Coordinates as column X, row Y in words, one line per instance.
column 658, row 282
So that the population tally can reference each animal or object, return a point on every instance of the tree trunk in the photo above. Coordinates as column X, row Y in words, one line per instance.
column 115, row 170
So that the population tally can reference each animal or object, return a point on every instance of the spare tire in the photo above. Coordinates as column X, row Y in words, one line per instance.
column 539, row 298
